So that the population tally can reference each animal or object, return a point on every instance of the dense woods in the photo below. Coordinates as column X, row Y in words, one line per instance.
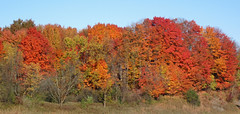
column 158, row 56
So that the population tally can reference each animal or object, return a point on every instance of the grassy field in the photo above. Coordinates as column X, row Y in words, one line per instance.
column 210, row 104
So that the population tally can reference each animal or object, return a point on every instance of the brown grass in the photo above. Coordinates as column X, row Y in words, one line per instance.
column 211, row 103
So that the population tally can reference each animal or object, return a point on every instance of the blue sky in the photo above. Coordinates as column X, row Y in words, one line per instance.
column 224, row 14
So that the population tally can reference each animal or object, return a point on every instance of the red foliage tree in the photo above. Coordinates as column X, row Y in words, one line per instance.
column 200, row 55
column 36, row 49
column 165, row 46
column 230, row 53
column 201, row 64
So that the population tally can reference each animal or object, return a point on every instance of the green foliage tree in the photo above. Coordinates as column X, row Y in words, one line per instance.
column 19, row 24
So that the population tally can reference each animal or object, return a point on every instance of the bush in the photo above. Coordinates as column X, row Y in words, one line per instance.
column 31, row 102
column 85, row 93
column 87, row 101
column 7, row 94
column 71, row 98
column 147, row 98
column 116, row 94
column 192, row 97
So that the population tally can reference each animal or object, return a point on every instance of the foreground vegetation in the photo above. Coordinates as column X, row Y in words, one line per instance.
column 211, row 103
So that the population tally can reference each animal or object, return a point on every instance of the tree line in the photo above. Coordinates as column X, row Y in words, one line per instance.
column 158, row 56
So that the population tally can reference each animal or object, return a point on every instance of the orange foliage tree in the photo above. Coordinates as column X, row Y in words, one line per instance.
column 223, row 53
column 151, row 81
column 13, row 39
column 110, row 37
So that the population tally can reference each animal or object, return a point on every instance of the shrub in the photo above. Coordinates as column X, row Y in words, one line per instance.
column 85, row 93
column 147, row 98
column 192, row 97
column 116, row 94
column 87, row 101
column 7, row 94
column 71, row 98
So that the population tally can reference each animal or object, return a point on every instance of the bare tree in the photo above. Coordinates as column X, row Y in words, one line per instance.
column 61, row 84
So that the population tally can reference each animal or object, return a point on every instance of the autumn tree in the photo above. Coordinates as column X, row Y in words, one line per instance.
column 96, row 72
column 229, row 47
column 68, row 69
column 200, row 55
column 11, row 73
column 165, row 46
column 54, row 34
column 31, row 79
column 132, row 47
column 69, row 32
column 13, row 39
column 99, row 78
column 110, row 37
column 223, row 53
column 152, row 79
column 36, row 49
column 201, row 65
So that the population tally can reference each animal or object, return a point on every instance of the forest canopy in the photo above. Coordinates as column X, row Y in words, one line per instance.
column 158, row 56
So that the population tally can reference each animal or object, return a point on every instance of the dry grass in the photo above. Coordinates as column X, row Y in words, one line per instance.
column 211, row 103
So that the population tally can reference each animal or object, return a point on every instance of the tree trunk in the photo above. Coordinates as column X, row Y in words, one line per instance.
column 61, row 103
column 104, row 99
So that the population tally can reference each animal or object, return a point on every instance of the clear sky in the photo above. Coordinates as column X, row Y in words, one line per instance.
column 224, row 14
